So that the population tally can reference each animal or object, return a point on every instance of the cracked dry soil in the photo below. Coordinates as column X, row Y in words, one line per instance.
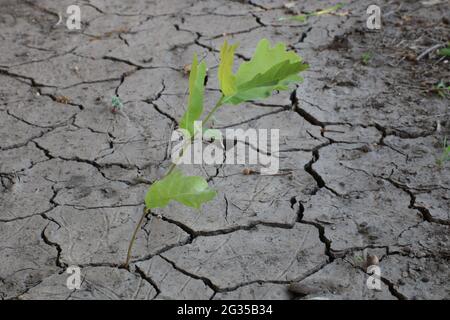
column 361, row 141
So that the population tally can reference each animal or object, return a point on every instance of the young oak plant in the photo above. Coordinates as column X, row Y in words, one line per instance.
column 270, row 69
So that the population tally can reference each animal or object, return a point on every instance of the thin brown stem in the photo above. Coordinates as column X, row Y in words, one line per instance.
column 133, row 237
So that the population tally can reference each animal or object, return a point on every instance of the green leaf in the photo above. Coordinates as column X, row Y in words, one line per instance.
column 444, row 52
column 226, row 78
column 269, row 69
column 116, row 102
column 365, row 57
column 191, row 191
column 196, row 94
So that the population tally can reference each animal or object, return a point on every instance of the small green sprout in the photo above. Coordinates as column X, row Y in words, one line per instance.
column 366, row 57
column 117, row 104
column 445, row 52
column 445, row 153
column 358, row 259
column 442, row 89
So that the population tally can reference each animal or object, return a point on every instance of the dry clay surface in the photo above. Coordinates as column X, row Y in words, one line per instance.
column 359, row 142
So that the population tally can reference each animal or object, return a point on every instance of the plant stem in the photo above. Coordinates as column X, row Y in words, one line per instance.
column 186, row 145
column 169, row 171
column 133, row 237
column 217, row 106
column 173, row 165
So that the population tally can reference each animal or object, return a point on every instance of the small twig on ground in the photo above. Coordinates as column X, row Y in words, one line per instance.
column 429, row 50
